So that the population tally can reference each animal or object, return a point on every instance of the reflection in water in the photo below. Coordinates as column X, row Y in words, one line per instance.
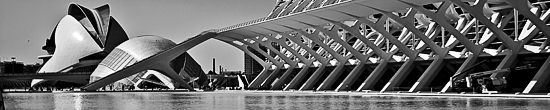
column 245, row 100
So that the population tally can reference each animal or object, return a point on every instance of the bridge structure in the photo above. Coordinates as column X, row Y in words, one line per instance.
column 383, row 45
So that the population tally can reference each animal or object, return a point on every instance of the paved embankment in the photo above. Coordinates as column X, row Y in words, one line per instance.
column 365, row 94
column 502, row 95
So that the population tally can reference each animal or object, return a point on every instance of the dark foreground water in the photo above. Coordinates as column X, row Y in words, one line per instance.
column 247, row 100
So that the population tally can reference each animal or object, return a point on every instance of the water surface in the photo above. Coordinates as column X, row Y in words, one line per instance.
column 248, row 100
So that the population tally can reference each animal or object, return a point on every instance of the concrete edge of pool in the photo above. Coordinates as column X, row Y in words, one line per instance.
column 370, row 93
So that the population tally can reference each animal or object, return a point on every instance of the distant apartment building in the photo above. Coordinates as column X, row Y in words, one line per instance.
column 18, row 67
column 12, row 67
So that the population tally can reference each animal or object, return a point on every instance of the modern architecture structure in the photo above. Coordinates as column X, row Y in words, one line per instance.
column 142, row 47
column 396, row 45
column 380, row 45
column 91, row 41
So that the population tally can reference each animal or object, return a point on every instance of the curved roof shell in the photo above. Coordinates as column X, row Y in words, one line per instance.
column 128, row 53
column 81, row 39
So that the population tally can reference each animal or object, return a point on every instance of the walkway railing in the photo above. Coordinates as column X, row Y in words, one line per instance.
column 242, row 24
column 266, row 19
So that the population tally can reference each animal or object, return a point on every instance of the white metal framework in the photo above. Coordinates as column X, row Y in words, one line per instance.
column 388, row 45
column 395, row 45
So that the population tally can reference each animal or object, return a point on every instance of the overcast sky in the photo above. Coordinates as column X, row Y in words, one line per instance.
column 26, row 24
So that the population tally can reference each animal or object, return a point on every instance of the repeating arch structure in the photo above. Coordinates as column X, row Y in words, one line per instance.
column 384, row 45
column 396, row 45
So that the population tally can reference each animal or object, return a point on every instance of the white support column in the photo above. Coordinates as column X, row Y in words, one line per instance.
column 427, row 77
column 337, row 72
column 442, row 21
column 270, row 82
column 540, row 81
column 354, row 30
column 352, row 77
column 308, row 85
column 523, row 8
column 272, row 77
column 469, row 62
column 479, row 15
column 265, row 65
column 278, row 85
column 403, row 72
column 509, row 61
column 377, row 73
column 472, row 58
column 406, row 22
column 332, row 77
column 400, row 75
column 375, row 76
column 257, row 82
column 513, row 46
column 301, row 75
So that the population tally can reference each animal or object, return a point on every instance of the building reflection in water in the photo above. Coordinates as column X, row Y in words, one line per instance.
column 241, row 100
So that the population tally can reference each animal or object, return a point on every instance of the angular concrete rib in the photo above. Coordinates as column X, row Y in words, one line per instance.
column 446, row 23
column 156, row 62
column 256, row 83
column 486, row 39
column 400, row 75
column 469, row 62
column 360, row 67
column 244, row 48
column 428, row 76
column 541, row 79
column 278, row 85
column 425, row 79
column 377, row 73
column 301, row 75
column 260, row 79
column 292, row 64
column 333, row 76
column 407, row 66
column 308, row 85
column 352, row 77
column 514, row 47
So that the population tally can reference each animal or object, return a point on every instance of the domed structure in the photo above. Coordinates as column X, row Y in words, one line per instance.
column 90, row 41
column 130, row 52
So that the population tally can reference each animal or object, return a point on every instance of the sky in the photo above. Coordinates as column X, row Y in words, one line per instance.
column 26, row 24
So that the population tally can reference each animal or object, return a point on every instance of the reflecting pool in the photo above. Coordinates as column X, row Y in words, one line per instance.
column 248, row 100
